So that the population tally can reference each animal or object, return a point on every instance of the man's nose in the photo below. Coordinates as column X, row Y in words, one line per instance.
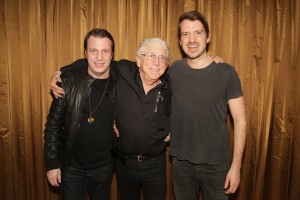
column 192, row 37
column 99, row 56
column 156, row 60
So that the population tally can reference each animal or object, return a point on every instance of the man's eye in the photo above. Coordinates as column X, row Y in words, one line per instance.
column 184, row 34
column 163, row 58
column 152, row 56
column 199, row 33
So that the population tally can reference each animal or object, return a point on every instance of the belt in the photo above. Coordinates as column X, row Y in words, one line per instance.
column 123, row 157
column 141, row 158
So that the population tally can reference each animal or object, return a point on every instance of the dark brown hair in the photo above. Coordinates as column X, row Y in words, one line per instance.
column 193, row 16
column 100, row 33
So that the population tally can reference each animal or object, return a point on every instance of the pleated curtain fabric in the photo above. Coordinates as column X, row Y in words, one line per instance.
column 260, row 38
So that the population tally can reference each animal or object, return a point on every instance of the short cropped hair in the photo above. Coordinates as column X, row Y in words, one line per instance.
column 99, row 33
column 144, row 44
column 193, row 16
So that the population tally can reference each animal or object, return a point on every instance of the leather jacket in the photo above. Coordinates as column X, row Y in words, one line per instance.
column 64, row 117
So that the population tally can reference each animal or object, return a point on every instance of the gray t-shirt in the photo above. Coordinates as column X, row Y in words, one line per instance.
column 199, row 133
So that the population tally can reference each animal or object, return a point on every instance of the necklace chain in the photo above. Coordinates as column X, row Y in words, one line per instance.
column 92, row 119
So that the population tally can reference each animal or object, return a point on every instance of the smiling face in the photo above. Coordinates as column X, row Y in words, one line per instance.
column 99, row 55
column 193, row 38
column 152, row 62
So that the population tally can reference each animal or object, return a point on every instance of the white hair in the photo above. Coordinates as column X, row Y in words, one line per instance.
column 144, row 44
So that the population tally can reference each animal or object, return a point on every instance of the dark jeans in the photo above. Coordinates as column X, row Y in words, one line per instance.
column 189, row 179
column 147, row 177
column 77, row 183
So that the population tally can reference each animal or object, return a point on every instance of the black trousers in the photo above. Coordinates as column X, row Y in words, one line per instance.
column 77, row 183
column 147, row 178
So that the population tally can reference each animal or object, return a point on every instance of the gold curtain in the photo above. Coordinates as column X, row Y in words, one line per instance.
column 260, row 38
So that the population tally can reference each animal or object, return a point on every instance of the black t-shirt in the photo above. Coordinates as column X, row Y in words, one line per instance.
column 93, row 143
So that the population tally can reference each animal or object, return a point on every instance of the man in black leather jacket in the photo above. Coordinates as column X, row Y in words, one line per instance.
column 79, row 128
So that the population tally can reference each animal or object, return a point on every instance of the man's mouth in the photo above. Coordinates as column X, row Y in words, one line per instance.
column 154, row 70
column 99, row 63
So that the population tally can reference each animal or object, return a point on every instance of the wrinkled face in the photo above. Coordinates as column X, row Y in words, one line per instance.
column 193, row 38
column 99, row 55
column 153, row 62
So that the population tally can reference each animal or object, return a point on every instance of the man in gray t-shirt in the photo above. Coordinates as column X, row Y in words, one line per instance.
column 202, row 93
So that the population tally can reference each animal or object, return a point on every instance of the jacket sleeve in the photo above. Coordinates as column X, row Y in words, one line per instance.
column 114, row 70
column 78, row 64
column 53, row 134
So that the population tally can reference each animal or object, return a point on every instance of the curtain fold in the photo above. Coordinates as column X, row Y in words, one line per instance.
column 260, row 38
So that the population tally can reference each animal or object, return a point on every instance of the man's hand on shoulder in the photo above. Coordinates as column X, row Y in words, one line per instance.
column 217, row 59
column 57, row 91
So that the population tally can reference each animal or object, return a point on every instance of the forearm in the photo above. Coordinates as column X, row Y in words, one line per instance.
column 78, row 64
column 237, row 110
column 239, row 143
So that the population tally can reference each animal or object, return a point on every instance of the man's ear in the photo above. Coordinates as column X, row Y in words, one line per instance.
column 85, row 53
column 179, row 42
column 138, row 61
column 208, row 38
column 112, row 56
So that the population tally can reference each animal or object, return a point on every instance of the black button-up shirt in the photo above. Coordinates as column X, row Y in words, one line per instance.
column 142, row 119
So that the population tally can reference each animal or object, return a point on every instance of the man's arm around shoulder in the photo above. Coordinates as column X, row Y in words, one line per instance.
column 78, row 64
